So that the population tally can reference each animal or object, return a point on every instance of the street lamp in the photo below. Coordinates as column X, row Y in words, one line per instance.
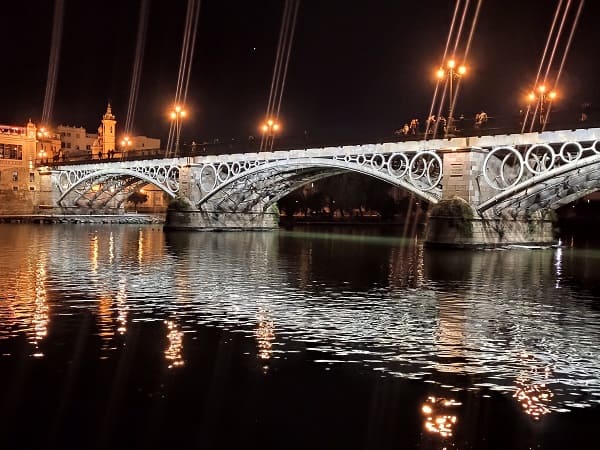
column 43, row 154
column 452, row 71
column 269, row 129
column 43, row 132
column 126, row 144
column 177, row 116
column 542, row 99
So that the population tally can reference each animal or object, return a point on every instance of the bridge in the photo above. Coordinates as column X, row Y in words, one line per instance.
column 507, row 184
column 505, row 180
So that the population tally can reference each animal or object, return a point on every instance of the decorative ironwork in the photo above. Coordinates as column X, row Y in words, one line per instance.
column 419, row 172
column 506, row 166
column 540, row 176
column 97, row 185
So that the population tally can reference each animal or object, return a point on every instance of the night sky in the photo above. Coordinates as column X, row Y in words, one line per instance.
column 356, row 66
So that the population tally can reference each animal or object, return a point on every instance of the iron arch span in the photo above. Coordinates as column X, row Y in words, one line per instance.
column 98, row 188
column 227, row 189
column 547, row 190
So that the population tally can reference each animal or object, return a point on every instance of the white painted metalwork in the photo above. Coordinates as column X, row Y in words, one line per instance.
column 419, row 172
column 505, row 167
column 93, row 182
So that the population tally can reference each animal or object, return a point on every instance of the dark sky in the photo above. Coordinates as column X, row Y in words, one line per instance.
column 356, row 66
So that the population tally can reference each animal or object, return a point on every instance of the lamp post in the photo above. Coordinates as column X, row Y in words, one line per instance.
column 126, row 144
column 542, row 100
column 44, row 138
column 269, row 129
column 177, row 115
column 452, row 72
column 43, row 154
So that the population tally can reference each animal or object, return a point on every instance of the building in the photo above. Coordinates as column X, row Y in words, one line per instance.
column 19, row 153
column 77, row 143
column 26, row 151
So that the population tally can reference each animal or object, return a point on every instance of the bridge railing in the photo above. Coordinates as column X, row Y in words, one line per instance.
column 496, row 125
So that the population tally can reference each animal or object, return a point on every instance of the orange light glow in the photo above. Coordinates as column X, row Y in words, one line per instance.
column 438, row 417
column 440, row 73
column 451, row 64
column 462, row 70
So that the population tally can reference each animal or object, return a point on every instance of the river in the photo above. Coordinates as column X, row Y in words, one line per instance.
column 124, row 336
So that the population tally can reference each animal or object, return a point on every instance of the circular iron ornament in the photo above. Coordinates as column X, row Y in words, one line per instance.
column 72, row 177
column 63, row 181
column 398, row 165
column 377, row 161
column 161, row 175
column 151, row 172
column 568, row 156
column 543, row 157
column 361, row 160
column 223, row 172
column 427, row 167
column 236, row 168
column 208, row 178
column 596, row 146
column 172, row 178
column 504, row 179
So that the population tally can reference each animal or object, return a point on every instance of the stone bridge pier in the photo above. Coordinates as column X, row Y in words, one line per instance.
column 458, row 221
column 504, row 189
column 237, row 207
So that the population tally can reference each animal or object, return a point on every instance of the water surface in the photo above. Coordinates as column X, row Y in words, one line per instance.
column 125, row 336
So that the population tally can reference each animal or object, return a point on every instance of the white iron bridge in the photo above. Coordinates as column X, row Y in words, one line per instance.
column 514, row 173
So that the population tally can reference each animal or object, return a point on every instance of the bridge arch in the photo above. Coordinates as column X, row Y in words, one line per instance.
column 98, row 187
column 546, row 190
column 264, row 184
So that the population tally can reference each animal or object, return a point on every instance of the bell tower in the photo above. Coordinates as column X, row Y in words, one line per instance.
column 109, row 123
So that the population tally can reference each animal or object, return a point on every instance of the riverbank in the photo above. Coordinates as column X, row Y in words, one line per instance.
column 91, row 218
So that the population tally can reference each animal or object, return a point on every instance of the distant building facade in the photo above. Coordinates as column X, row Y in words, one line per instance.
column 19, row 181
column 78, row 143
column 25, row 152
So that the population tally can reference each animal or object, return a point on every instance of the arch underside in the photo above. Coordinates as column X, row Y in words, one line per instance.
column 546, row 191
column 259, row 188
column 98, row 190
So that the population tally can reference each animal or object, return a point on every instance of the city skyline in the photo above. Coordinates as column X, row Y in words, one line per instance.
column 363, row 67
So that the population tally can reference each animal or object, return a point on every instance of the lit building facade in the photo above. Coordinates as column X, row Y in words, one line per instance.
column 19, row 181
column 77, row 143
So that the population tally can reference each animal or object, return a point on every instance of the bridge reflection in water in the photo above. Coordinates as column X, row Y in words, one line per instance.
column 522, row 323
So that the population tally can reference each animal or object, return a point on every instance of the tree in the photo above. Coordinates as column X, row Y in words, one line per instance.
column 137, row 197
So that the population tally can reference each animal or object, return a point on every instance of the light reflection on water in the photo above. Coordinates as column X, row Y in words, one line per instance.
column 522, row 322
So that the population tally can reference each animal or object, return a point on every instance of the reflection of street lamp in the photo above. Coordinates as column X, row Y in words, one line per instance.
column 269, row 129
column 177, row 115
column 543, row 99
column 125, row 145
column 452, row 72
